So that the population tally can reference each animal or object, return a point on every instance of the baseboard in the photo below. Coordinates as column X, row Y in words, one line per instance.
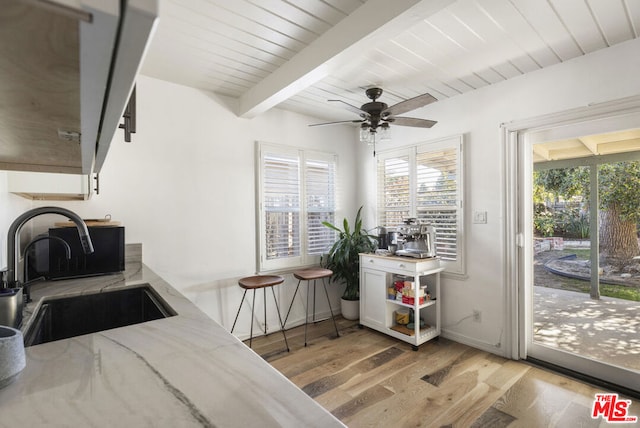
column 291, row 323
column 465, row 340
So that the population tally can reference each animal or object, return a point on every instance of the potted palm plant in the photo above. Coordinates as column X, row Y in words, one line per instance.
column 343, row 259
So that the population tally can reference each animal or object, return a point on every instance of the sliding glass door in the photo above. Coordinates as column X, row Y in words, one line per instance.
column 581, row 268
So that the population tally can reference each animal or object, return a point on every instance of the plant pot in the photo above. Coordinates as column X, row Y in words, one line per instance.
column 350, row 309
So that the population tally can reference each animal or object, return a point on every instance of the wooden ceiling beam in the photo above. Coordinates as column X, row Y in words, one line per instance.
column 541, row 151
column 374, row 21
column 590, row 144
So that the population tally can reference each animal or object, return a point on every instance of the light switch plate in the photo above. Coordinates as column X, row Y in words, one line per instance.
column 480, row 217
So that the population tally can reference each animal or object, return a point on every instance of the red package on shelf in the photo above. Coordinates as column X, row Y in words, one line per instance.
column 410, row 300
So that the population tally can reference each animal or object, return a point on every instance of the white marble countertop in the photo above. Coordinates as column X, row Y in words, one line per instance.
column 181, row 371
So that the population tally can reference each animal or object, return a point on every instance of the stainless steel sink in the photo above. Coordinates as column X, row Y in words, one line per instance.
column 61, row 318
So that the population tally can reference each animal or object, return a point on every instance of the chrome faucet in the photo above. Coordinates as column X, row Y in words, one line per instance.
column 13, row 242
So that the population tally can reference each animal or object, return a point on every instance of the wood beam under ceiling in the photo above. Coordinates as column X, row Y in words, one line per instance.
column 374, row 21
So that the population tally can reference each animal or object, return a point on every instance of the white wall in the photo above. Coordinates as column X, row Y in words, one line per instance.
column 185, row 188
column 10, row 207
column 602, row 76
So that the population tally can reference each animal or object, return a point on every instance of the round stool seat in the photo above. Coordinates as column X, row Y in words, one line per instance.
column 312, row 273
column 260, row 281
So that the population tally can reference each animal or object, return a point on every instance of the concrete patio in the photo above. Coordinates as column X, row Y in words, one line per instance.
column 607, row 329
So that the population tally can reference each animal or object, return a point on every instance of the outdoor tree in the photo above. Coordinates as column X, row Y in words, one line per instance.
column 619, row 204
column 619, row 192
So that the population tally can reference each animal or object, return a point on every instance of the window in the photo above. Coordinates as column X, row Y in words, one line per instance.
column 296, row 191
column 425, row 182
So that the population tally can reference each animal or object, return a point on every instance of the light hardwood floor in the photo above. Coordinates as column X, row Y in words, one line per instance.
column 367, row 379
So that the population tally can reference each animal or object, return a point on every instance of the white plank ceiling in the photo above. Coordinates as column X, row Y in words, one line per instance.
column 297, row 54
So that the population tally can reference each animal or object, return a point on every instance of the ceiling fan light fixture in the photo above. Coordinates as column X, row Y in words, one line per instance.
column 366, row 135
column 385, row 132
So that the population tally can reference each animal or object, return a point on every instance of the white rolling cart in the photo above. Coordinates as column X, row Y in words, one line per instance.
column 377, row 308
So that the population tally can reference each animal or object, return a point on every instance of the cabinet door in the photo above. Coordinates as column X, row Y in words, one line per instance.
column 372, row 298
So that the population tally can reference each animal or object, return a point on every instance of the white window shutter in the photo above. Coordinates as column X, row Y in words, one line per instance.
column 296, row 193
column 281, row 204
column 321, row 205
column 394, row 189
column 426, row 182
column 437, row 197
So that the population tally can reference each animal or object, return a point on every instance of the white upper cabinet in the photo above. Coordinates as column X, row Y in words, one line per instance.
column 138, row 22
column 67, row 68
column 47, row 186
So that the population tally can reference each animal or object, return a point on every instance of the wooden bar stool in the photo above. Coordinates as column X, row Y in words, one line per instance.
column 260, row 281
column 309, row 275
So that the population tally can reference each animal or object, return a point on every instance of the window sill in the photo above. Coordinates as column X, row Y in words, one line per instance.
column 288, row 270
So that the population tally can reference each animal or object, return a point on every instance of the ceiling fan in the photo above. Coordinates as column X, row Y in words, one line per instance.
column 375, row 116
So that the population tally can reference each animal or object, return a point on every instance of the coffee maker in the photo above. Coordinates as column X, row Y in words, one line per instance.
column 416, row 239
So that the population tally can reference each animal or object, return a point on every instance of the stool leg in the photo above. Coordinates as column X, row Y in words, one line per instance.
column 330, row 310
column 313, row 318
column 264, row 295
column 253, row 305
column 280, row 319
column 306, row 316
column 241, row 302
column 291, row 305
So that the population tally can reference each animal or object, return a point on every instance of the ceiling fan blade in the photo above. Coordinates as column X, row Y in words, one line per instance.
column 411, row 121
column 338, row 122
column 356, row 110
column 410, row 104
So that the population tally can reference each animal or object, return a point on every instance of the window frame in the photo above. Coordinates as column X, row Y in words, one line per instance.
column 303, row 155
column 454, row 267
